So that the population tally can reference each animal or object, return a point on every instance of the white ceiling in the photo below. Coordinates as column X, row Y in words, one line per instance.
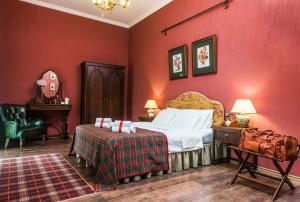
column 138, row 10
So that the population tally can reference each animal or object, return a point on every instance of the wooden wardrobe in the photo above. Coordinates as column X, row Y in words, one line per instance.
column 102, row 91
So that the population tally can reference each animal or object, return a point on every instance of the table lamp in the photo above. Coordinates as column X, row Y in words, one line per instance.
column 243, row 107
column 150, row 105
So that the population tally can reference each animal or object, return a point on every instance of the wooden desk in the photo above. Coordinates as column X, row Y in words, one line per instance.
column 65, row 109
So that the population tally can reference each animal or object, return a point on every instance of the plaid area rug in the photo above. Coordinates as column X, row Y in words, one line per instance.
column 40, row 178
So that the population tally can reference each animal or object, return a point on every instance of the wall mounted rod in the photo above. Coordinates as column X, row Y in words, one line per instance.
column 224, row 3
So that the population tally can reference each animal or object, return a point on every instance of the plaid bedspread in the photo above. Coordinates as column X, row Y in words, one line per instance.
column 120, row 155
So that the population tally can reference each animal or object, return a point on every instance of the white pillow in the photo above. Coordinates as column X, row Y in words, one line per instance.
column 205, row 121
column 164, row 117
column 175, row 112
column 184, row 119
column 192, row 119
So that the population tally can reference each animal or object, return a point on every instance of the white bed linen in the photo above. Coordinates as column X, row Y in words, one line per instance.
column 179, row 140
column 190, row 118
column 164, row 117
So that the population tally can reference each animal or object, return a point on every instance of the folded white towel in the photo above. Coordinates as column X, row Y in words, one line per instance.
column 117, row 129
column 106, row 120
column 104, row 125
column 124, row 123
column 132, row 129
column 103, row 122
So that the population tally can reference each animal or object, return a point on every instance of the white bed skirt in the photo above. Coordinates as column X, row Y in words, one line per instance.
column 192, row 159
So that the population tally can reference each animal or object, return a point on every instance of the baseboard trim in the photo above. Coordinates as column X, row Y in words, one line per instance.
column 275, row 173
column 268, row 171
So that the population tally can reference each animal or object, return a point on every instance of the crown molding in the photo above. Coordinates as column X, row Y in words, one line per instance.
column 74, row 12
column 97, row 18
column 149, row 12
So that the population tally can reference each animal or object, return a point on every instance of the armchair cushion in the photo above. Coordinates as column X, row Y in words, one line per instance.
column 10, row 129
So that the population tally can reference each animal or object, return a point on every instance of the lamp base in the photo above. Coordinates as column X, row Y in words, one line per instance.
column 243, row 120
column 150, row 113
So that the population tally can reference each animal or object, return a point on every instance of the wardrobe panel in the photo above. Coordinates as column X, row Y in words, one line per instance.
column 115, row 94
column 96, row 95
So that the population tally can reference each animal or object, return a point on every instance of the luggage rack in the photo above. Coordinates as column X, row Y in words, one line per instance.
column 244, row 164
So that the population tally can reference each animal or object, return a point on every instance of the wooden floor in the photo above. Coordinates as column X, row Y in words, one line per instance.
column 207, row 183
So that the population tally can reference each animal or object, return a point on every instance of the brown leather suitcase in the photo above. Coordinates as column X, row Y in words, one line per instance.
column 269, row 144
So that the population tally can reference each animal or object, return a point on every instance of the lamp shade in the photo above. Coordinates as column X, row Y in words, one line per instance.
column 151, row 104
column 243, row 106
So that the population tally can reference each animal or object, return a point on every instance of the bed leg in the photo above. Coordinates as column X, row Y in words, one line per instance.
column 126, row 180
column 160, row 173
column 137, row 178
column 78, row 159
column 149, row 175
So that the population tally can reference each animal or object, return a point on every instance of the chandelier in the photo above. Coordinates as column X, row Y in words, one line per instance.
column 108, row 5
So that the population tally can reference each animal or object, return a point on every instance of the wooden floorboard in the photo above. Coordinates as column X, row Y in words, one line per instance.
column 206, row 183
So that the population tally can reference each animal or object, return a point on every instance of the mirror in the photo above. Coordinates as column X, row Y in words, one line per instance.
column 48, row 88
column 51, row 84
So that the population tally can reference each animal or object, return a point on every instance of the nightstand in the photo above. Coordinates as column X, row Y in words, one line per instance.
column 146, row 118
column 229, row 136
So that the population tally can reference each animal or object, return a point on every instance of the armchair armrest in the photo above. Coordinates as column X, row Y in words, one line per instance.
column 10, row 129
column 35, row 123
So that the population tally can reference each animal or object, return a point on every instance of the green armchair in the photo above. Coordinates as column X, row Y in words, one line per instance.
column 14, row 124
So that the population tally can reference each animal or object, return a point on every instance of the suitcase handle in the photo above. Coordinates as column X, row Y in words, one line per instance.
column 270, row 135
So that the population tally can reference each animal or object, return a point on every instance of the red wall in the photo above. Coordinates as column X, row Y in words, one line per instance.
column 33, row 39
column 257, row 44
column 258, row 48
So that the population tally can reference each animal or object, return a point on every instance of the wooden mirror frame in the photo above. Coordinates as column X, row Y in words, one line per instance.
column 41, row 98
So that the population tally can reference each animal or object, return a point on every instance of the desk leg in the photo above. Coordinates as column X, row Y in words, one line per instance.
column 228, row 153
column 66, row 132
column 72, row 145
column 213, row 159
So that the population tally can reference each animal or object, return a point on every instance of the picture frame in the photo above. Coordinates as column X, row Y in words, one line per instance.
column 232, row 118
column 52, row 87
column 178, row 67
column 52, row 76
column 204, row 56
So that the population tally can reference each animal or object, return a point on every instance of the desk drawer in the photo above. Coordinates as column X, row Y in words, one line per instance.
column 228, row 137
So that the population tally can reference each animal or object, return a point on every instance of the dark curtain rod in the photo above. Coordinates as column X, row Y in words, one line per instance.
column 224, row 3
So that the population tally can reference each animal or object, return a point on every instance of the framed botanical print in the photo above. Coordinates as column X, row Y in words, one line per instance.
column 204, row 56
column 178, row 62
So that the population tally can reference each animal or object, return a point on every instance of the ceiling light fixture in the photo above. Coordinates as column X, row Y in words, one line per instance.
column 108, row 5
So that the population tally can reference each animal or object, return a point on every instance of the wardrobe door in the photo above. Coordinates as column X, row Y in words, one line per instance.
column 115, row 93
column 95, row 94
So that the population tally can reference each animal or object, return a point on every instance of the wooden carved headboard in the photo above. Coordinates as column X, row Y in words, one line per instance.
column 194, row 100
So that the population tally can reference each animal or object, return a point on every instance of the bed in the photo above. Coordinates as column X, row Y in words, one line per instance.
column 192, row 158
column 118, row 156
